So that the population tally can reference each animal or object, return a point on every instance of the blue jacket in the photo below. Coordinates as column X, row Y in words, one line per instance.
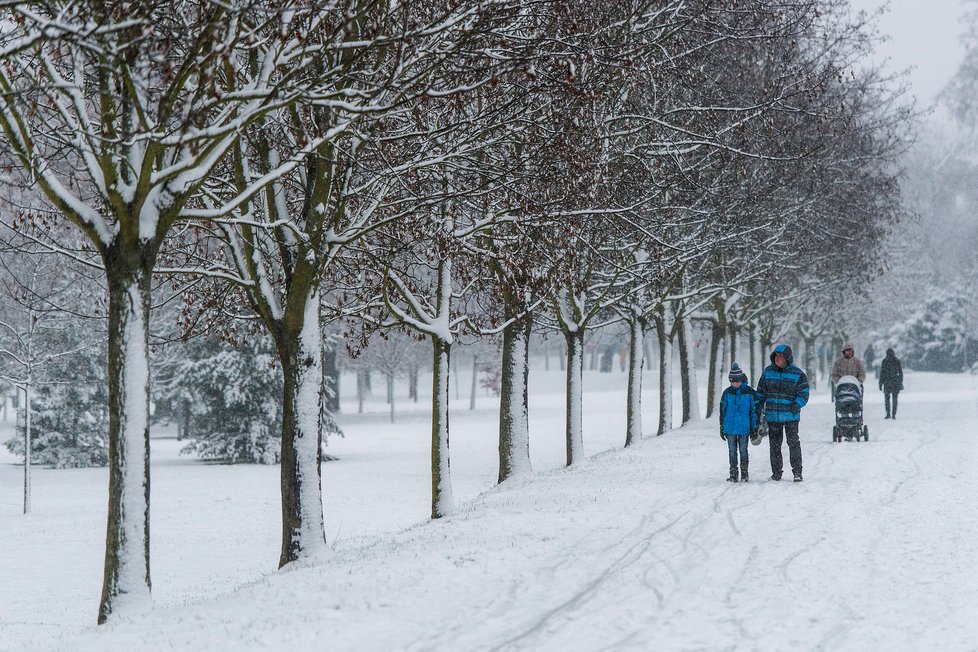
column 783, row 392
column 738, row 410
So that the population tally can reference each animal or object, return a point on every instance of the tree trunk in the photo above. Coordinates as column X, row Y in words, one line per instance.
column 756, row 366
column 514, row 424
column 664, row 332
column 413, row 383
column 331, row 379
column 716, row 339
column 126, row 582
column 27, row 440
column 732, row 328
column 575, row 379
column 475, row 380
column 300, row 351
column 442, row 503
column 684, row 366
column 360, row 391
column 636, row 360
column 809, row 361
column 390, row 394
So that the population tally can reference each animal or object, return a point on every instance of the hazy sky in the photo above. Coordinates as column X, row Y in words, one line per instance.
column 924, row 34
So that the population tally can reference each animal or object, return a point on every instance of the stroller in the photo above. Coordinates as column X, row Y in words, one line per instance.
column 849, row 410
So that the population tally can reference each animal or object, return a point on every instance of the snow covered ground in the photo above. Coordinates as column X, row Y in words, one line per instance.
column 642, row 549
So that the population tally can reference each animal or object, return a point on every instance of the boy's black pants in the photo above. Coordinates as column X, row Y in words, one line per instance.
column 775, row 433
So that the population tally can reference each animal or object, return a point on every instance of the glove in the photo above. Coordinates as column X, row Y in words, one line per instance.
column 753, row 433
column 723, row 437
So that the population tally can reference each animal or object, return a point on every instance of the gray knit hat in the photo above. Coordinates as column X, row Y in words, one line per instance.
column 736, row 373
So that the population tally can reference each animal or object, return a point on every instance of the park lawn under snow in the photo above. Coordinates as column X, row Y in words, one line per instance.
column 641, row 549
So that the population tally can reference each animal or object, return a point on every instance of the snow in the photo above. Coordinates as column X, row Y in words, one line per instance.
column 131, row 592
column 642, row 549
column 309, row 540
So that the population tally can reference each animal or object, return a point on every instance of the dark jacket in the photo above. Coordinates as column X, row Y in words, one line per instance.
column 891, row 373
column 782, row 392
column 738, row 410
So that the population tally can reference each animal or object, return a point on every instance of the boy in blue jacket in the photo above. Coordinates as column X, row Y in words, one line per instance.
column 738, row 419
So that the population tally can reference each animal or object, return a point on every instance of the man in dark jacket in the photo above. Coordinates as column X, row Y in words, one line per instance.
column 891, row 381
column 782, row 392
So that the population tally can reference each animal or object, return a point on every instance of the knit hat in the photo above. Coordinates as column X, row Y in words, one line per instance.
column 736, row 373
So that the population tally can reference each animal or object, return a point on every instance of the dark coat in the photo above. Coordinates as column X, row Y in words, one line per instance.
column 891, row 373
column 782, row 392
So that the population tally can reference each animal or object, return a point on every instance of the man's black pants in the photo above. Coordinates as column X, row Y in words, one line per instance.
column 886, row 399
column 775, row 433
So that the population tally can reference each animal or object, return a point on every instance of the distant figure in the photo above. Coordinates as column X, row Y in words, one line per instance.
column 847, row 365
column 869, row 357
column 783, row 392
column 891, row 381
column 738, row 420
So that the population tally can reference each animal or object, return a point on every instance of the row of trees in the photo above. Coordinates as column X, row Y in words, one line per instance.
column 448, row 169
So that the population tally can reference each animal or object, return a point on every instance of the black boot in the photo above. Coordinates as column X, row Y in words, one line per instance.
column 743, row 473
column 733, row 474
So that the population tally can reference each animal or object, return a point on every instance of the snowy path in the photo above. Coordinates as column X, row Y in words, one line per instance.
column 644, row 549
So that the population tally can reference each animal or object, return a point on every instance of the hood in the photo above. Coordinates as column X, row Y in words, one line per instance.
column 786, row 350
column 848, row 345
column 890, row 353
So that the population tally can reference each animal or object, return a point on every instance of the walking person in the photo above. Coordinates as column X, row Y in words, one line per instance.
column 847, row 365
column 891, row 382
column 738, row 420
column 782, row 391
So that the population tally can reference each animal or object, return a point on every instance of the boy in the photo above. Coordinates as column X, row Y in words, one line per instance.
column 738, row 419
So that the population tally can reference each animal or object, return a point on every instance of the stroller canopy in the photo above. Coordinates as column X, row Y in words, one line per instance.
column 849, row 380
column 848, row 386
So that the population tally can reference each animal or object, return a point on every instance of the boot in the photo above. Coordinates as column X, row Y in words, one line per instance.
column 733, row 474
column 743, row 473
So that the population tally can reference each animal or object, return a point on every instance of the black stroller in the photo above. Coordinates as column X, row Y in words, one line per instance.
column 849, row 411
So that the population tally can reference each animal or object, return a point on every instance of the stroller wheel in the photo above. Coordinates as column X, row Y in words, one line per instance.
column 835, row 433
column 865, row 433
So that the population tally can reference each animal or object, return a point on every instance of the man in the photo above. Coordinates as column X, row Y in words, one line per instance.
column 891, row 381
column 782, row 392
column 847, row 365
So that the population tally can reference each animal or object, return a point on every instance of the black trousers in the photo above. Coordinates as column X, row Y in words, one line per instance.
column 775, row 433
column 886, row 400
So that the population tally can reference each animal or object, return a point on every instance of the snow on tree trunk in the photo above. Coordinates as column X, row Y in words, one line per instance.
column 126, row 583
column 442, row 503
column 636, row 360
column 664, row 332
column 514, row 423
column 575, row 378
column 691, row 399
column 303, row 534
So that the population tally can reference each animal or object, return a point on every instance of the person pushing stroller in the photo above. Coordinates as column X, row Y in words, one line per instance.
column 738, row 420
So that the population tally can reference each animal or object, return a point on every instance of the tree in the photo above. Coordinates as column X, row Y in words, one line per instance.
column 143, row 90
